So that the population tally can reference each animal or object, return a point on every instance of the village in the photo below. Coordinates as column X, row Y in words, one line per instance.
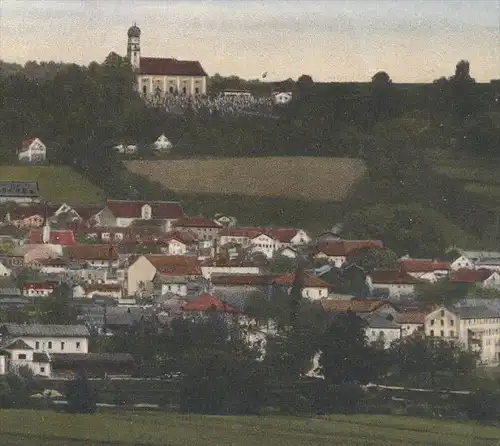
column 130, row 262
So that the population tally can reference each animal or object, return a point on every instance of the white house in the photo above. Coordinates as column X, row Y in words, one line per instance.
column 209, row 269
column 176, row 247
column 271, row 240
column 382, row 329
column 462, row 262
column 484, row 278
column 38, row 289
column 283, row 97
column 336, row 251
column 126, row 149
column 313, row 287
column 394, row 283
column 475, row 328
column 162, row 144
column 430, row 270
column 410, row 322
column 33, row 150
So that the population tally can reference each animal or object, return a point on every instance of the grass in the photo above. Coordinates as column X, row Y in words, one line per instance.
column 306, row 178
column 56, row 183
column 30, row 428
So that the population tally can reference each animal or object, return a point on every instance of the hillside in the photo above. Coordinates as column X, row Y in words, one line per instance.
column 57, row 183
column 305, row 178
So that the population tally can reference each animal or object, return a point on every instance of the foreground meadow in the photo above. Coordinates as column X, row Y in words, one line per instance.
column 30, row 428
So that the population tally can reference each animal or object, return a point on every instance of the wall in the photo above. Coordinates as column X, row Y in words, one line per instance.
column 70, row 344
column 207, row 271
column 140, row 271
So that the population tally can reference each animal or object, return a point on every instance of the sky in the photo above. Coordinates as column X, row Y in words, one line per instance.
column 331, row 40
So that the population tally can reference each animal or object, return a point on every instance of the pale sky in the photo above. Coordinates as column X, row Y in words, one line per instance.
column 334, row 40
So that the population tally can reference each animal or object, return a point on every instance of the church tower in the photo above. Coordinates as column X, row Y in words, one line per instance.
column 134, row 47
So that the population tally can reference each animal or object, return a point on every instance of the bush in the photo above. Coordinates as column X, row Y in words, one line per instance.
column 81, row 396
column 483, row 406
column 344, row 398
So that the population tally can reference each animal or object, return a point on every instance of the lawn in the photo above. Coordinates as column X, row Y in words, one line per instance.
column 30, row 428
column 56, row 183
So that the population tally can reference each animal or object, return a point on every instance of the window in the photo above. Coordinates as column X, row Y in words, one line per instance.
column 21, row 356
column 37, row 345
column 77, row 345
column 184, row 90
column 171, row 89
column 50, row 344
column 144, row 89
column 42, row 369
column 442, row 322
column 442, row 313
column 452, row 333
column 442, row 332
column 197, row 90
column 432, row 321
column 62, row 345
column 452, row 322
column 432, row 332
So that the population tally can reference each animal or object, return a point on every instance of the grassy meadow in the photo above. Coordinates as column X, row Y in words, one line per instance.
column 56, row 183
column 300, row 178
column 30, row 428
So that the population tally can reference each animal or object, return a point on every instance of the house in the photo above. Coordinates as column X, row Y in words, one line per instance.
column 212, row 267
column 410, row 321
column 96, row 255
column 4, row 270
column 484, row 278
column 162, row 144
column 88, row 291
column 237, row 288
column 12, row 261
column 282, row 98
column 313, row 288
column 35, row 253
column 382, row 329
column 207, row 302
column 123, row 213
column 269, row 241
column 332, row 235
column 395, row 283
column 40, row 289
column 461, row 263
column 32, row 344
column 143, row 269
column 79, row 213
column 126, row 149
column 474, row 328
column 32, row 215
column 21, row 192
column 490, row 264
column 202, row 228
column 360, row 306
column 336, row 251
column 50, row 266
column 32, row 151
column 56, row 237
column 289, row 252
column 225, row 220
column 430, row 270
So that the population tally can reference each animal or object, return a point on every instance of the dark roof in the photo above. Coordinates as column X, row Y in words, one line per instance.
column 19, row 189
column 171, row 67
column 134, row 31
column 45, row 330
column 379, row 321
column 482, row 312
column 18, row 344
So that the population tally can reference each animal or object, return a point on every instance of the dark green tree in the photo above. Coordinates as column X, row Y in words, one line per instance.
column 81, row 396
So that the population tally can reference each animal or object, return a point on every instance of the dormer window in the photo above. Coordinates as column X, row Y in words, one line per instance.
column 146, row 212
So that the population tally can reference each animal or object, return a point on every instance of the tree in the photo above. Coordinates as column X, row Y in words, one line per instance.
column 81, row 396
column 56, row 308
column 443, row 292
column 282, row 264
column 373, row 258
column 382, row 96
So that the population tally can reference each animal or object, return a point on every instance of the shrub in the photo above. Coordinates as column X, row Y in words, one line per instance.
column 81, row 396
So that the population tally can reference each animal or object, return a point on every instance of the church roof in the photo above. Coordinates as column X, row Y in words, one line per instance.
column 171, row 67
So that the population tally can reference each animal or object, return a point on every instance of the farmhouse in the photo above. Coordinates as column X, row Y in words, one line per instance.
column 32, row 151
column 203, row 228
column 336, row 251
column 426, row 269
column 313, row 287
column 485, row 278
column 395, row 284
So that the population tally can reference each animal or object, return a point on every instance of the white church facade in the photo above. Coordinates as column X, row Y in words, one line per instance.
column 158, row 76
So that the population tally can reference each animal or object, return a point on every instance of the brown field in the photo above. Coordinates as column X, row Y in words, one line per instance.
column 309, row 178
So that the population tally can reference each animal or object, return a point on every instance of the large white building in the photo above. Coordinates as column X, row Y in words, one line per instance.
column 32, row 151
column 160, row 76
column 475, row 328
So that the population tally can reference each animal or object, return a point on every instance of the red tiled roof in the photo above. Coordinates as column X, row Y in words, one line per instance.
column 38, row 286
column 393, row 277
column 197, row 223
column 341, row 248
column 93, row 252
column 132, row 209
column 354, row 305
column 309, row 281
column 176, row 265
column 410, row 317
column 242, row 280
column 424, row 265
column 27, row 142
column 57, row 237
column 208, row 302
column 470, row 275
column 171, row 67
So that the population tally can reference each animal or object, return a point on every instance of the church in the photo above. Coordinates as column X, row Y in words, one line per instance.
column 157, row 76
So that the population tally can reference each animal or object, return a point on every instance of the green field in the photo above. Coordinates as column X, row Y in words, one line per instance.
column 57, row 183
column 30, row 428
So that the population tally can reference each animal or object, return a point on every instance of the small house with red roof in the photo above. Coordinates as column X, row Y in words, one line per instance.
column 122, row 213
column 207, row 302
column 396, row 283
column 483, row 278
column 336, row 251
column 32, row 151
column 430, row 270
column 313, row 288
column 56, row 237
column 38, row 289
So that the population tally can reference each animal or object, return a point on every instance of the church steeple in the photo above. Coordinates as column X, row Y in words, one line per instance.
column 46, row 226
column 134, row 46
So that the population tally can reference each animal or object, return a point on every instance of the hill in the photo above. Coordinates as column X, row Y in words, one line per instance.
column 306, row 178
column 29, row 427
column 56, row 183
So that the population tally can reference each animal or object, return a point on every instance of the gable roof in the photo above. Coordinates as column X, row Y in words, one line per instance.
column 19, row 189
column 379, row 321
column 18, row 344
column 170, row 67
column 354, row 305
column 393, row 277
column 410, row 317
column 479, row 312
column 176, row 265
column 206, row 302
column 424, row 265
column 310, row 281
column 170, row 210
column 471, row 276
column 93, row 252
column 56, row 237
column 341, row 248
column 44, row 330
